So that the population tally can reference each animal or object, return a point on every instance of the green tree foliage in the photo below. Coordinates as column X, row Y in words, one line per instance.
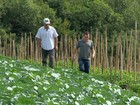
column 128, row 9
column 132, row 14
column 118, row 5
column 19, row 16
column 25, row 15
column 85, row 15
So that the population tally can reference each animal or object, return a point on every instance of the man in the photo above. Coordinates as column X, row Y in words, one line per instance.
column 47, row 41
column 84, row 48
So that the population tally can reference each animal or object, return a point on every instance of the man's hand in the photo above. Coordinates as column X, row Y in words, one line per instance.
column 93, row 56
column 56, row 48
column 56, row 44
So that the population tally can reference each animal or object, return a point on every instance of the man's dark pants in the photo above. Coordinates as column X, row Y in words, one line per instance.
column 84, row 65
column 45, row 54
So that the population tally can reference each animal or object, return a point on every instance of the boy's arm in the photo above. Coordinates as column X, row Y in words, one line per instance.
column 93, row 53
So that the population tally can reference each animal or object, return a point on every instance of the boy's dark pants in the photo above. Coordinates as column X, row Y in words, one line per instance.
column 84, row 65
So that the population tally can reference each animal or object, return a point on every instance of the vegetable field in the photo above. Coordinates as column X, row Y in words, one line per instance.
column 25, row 82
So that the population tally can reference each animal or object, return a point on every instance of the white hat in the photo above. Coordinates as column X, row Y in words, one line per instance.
column 46, row 21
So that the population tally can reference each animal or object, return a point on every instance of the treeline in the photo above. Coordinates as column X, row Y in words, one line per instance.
column 68, row 16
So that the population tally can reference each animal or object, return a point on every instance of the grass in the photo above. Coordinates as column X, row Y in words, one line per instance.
column 28, row 83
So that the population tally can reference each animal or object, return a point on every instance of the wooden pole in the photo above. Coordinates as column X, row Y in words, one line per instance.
column 21, row 48
column 30, row 48
column 10, row 46
column 25, row 45
column 14, row 48
column 102, row 54
column 131, row 51
column 106, row 49
column 111, row 57
column 139, row 60
column 121, row 57
column 0, row 46
column 95, row 48
column 127, row 53
column 135, row 46
column 99, row 51
column 117, row 54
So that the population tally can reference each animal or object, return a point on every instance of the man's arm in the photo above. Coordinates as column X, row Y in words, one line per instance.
column 93, row 53
column 56, row 43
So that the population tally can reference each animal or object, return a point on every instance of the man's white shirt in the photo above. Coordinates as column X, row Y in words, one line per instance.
column 47, row 37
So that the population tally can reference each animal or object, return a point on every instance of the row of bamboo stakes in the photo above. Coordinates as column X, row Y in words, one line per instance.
column 122, row 53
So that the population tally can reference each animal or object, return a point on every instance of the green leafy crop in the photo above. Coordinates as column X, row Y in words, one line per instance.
column 23, row 82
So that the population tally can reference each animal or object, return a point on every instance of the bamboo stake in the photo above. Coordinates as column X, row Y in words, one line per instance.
column 0, row 46
column 10, row 46
column 33, row 50
column 121, row 58
column 127, row 53
column 6, row 47
column 61, row 51
column 112, row 52
column 99, row 51
column 21, row 48
column 123, row 53
column 135, row 45
column 71, row 51
column 111, row 58
column 14, row 48
column 131, row 51
column 139, row 59
column 36, row 50
column 117, row 54
column 75, row 43
column 31, row 47
column 102, row 54
column 25, row 46
column 111, row 67
column 95, row 48
column 66, row 50
column 28, row 48
column 106, row 49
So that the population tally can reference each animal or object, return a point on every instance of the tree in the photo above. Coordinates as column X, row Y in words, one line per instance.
column 86, row 15
column 132, row 14
column 25, row 15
